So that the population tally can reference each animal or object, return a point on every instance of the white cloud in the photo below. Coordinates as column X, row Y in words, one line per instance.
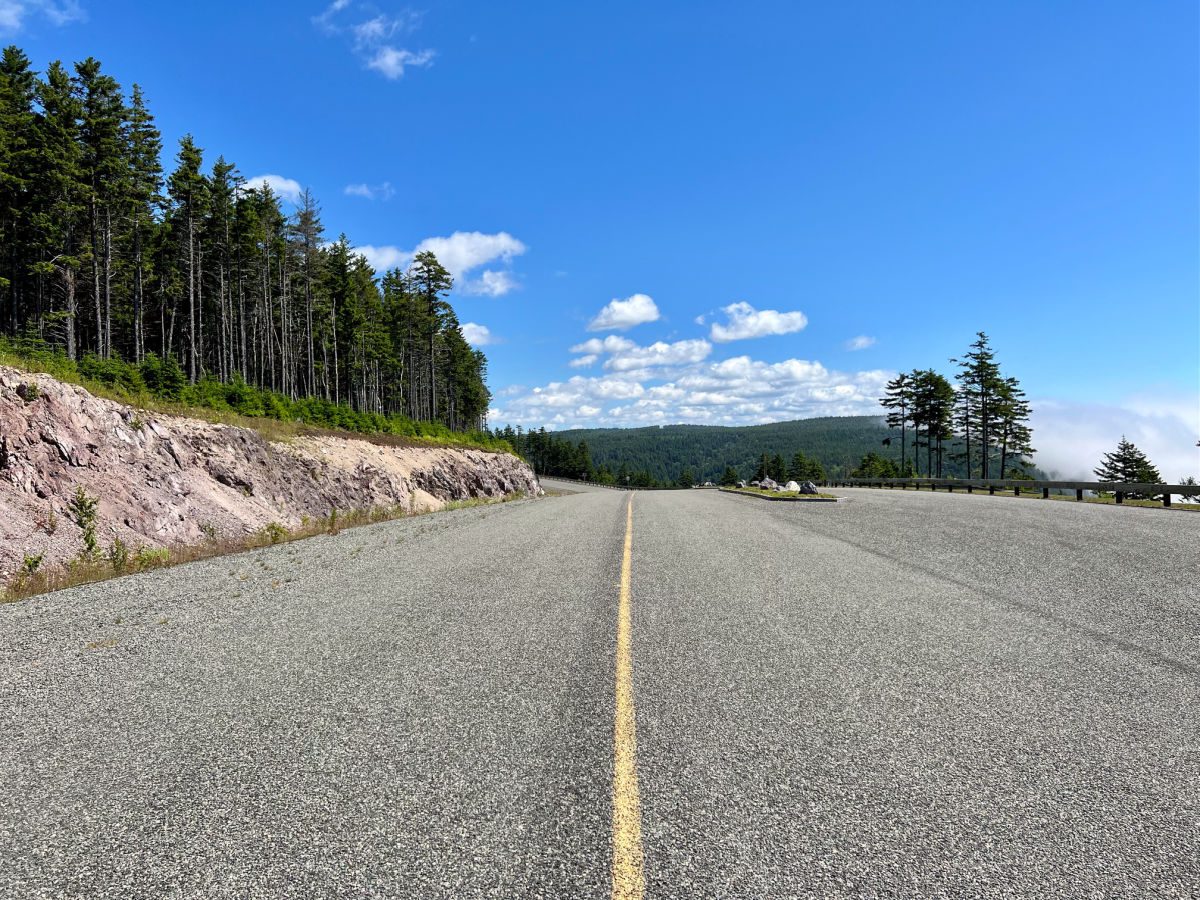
column 620, row 315
column 700, row 319
column 610, row 344
column 466, row 250
column 370, row 37
column 14, row 13
column 461, row 253
column 491, row 283
column 664, row 383
column 1071, row 438
column 382, row 28
column 287, row 188
column 747, row 322
column 383, row 191
column 626, row 356
column 325, row 20
column 582, row 362
column 477, row 335
column 862, row 342
column 391, row 61
column 659, row 353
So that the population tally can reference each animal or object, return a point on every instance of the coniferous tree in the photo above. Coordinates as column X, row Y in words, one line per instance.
column 143, row 198
column 898, row 401
column 60, row 190
column 105, row 168
column 764, row 468
column 188, row 189
column 1129, row 465
column 730, row 476
column 1012, row 426
column 19, row 159
column 979, row 381
column 96, row 261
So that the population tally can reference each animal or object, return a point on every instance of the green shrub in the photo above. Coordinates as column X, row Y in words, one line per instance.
column 274, row 532
column 146, row 558
column 113, row 372
column 163, row 377
column 83, row 511
column 118, row 555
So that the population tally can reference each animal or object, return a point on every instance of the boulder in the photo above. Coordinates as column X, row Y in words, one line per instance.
column 791, row 486
column 808, row 488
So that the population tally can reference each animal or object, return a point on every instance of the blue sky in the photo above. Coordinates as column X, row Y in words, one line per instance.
column 758, row 186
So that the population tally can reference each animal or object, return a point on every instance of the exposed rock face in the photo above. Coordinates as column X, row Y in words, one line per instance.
column 165, row 480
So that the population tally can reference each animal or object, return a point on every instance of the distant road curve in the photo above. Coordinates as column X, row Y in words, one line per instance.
column 907, row 695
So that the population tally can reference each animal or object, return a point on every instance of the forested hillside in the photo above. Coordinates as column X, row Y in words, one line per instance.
column 838, row 443
column 107, row 255
column 681, row 455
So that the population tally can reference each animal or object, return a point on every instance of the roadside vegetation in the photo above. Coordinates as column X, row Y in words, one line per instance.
column 779, row 495
column 160, row 386
column 100, row 564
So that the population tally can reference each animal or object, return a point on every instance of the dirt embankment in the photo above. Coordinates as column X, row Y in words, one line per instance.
column 163, row 480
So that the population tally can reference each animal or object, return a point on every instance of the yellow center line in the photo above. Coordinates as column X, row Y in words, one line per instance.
column 628, row 881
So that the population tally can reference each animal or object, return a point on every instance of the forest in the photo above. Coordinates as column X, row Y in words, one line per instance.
column 115, row 263
column 977, row 427
column 679, row 455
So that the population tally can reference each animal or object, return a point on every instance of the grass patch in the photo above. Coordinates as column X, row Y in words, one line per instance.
column 779, row 495
column 87, row 570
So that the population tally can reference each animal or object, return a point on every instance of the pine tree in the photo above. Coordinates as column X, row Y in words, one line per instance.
column 764, row 468
column 60, row 190
column 143, row 198
column 898, row 401
column 729, row 477
column 979, row 380
column 431, row 282
column 932, row 402
column 188, row 189
column 105, row 168
column 1012, row 425
column 1128, row 465
column 19, row 160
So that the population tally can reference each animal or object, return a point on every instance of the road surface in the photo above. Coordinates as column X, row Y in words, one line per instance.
column 900, row 695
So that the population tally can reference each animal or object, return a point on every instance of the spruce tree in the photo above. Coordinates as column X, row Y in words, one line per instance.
column 1128, row 465
column 188, row 189
column 143, row 199
column 978, row 380
column 898, row 401
column 56, row 220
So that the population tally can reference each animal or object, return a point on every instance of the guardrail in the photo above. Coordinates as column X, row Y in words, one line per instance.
column 611, row 487
column 991, row 485
column 627, row 487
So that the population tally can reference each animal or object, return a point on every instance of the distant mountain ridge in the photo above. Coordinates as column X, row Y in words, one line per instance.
column 839, row 442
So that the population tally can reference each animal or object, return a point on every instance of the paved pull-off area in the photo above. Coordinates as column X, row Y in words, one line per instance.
column 686, row 694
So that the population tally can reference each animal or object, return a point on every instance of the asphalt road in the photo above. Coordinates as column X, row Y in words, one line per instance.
column 897, row 696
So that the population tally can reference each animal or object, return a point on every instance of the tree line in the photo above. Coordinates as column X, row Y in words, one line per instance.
column 981, row 421
column 104, row 253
